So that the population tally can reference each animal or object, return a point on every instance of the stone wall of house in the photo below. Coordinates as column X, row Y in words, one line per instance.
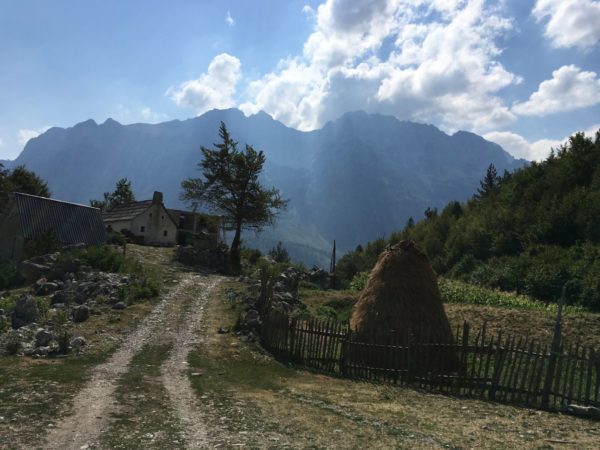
column 156, row 223
column 118, row 226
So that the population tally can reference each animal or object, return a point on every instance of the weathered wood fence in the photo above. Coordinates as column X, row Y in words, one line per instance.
column 498, row 367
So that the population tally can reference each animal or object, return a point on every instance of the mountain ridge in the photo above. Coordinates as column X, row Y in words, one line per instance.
column 358, row 177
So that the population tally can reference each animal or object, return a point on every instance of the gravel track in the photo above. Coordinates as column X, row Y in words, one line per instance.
column 94, row 403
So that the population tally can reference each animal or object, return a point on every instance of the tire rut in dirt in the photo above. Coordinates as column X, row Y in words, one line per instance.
column 175, row 377
column 94, row 403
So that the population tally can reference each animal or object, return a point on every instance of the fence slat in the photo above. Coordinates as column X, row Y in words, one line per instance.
column 506, row 368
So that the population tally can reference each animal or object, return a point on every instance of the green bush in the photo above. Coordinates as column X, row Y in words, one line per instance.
column 359, row 281
column 9, row 276
column 279, row 254
column 251, row 255
column 4, row 324
column 115, row 238
column 453, row 291
column 44, row 243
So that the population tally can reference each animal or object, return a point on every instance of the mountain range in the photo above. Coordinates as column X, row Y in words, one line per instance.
column 358, row 178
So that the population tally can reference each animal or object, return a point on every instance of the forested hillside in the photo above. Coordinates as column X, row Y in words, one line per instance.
column 531, row 231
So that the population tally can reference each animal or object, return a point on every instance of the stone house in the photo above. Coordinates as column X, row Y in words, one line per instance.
column 27, row 217
column 201, row 230
column 149, row 220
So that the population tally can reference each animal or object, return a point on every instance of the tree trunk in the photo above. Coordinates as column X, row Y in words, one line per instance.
column 234, row 253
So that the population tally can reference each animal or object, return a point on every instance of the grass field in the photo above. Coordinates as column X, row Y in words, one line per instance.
column 258, row 402
column 506, row 312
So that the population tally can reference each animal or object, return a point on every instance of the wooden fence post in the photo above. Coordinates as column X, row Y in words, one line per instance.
column 498, row 363
column 344, row 353
column 554, row 351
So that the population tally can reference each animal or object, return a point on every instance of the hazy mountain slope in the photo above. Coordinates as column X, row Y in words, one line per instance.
column 357, row 178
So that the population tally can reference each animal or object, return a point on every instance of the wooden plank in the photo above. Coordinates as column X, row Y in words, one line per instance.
column 588, row 378
column 523, row 372
column 529, row 387
column 497, row 368
column 482, row 349
column 573, row 370
column 565, row 384
column 510, row 366
column 581, row 380
column 519, row 356
column 474, row 353
column 597, row 366
column 487, row 363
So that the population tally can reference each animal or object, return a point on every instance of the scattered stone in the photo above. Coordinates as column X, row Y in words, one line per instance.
column 43, row 287
column 589, row 412
column 31, row 271
column 78, row 343
column 25, row 312
column 43, row 338
column 223, row 330
column 80, row 313
column 119, row 306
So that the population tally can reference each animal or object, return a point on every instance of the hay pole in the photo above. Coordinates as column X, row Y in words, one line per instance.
column 556, row 345
column 575, row 360
column 588, row 383
column 498, row 363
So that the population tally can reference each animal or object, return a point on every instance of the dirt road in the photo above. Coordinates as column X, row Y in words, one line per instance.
column 174, row 320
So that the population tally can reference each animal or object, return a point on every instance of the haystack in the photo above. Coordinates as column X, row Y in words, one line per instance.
column 401, row 302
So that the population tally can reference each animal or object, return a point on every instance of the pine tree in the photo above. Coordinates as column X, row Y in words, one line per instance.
column 489, row 184
column 229, row 186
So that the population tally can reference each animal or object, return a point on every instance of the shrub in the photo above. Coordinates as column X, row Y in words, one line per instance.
column 251, row 255
column 279, row 254
column 115, row 238
column 9, row 276
column 359, row 281
column 4, row 324
column 44, row 243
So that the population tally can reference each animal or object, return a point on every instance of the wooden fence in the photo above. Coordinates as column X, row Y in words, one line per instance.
column 502, row 368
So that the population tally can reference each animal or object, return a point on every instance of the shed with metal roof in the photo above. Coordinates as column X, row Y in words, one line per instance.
column 28, row 217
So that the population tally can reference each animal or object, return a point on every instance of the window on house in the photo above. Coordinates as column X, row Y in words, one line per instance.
column 142, row 229
column 150, row 214
column 162, row 217
column 165, row 233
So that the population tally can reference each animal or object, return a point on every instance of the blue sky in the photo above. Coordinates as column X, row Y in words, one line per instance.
column 523, row 73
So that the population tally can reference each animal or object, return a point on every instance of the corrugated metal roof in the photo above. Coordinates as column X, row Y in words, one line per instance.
column 72, row 223
column 126, row 212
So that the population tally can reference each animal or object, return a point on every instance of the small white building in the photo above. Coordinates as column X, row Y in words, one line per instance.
column 147, row 219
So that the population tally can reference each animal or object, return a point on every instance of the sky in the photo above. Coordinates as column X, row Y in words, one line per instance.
column 522, row 73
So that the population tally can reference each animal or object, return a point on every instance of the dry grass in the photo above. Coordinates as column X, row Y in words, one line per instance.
column 260, row 403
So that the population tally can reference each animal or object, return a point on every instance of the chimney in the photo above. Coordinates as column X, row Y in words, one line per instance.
column 157, row 198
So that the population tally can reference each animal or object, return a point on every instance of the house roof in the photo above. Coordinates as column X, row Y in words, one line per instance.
column 127, row 211
column 73, row 223
column 130, row 211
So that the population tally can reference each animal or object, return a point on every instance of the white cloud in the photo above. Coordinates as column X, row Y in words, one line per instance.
column 150, row 116
column 571, row 23
column 426, row 60
column 229, row 20
column 519, row 147
column 1, row 143
column 24, row 135
column 570, row 88
column 213, row 89
column 307, row 9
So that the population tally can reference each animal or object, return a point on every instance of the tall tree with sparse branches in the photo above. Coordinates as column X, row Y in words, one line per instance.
column 122, row 195
column 229, row 186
